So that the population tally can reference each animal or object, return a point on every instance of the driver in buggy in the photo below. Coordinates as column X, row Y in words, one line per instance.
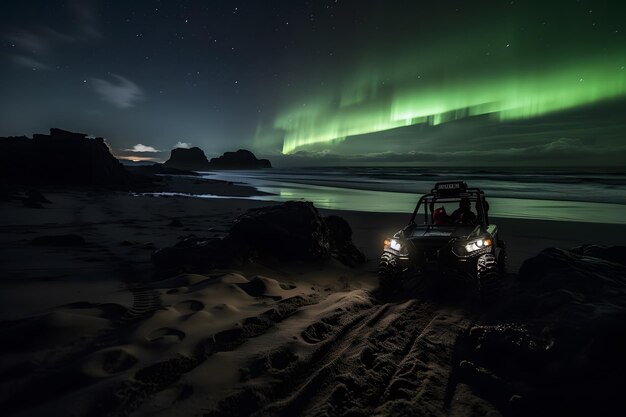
column 464, row 214
column 439, row 215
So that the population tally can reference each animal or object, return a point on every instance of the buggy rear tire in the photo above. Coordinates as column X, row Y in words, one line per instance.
column 389, row 276
column 487, row 277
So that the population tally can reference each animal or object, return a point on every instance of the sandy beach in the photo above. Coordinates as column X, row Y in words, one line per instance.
column 94, row 329
column 312, row 208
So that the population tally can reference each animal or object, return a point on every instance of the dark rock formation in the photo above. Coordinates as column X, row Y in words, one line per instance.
column 342, row 246
column 293, row 231
column 289, row 231
column 192, row 159
column 557, row 345
column 608, row 253
column 242, row 159
column 61, row 158
column 59, row 240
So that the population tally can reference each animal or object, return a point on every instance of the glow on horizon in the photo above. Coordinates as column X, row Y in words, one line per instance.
column 137, row 158
column 369, row 105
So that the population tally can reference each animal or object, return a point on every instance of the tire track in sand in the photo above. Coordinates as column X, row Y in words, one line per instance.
column 384, row 359
column 364, row 361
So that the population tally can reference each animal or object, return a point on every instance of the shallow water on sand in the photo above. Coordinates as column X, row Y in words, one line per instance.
column 552, row 194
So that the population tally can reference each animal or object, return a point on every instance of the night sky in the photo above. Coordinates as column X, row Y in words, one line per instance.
column 324, row 82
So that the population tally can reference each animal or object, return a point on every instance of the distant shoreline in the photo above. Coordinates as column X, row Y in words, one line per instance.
column 386, row 193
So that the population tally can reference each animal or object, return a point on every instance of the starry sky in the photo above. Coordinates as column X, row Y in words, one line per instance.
column 329, row 82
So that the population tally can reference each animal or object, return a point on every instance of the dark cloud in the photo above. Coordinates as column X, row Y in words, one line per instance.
column 120, row 92
column 40, row 46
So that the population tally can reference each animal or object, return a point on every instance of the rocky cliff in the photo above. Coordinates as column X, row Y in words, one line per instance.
column 61, row 158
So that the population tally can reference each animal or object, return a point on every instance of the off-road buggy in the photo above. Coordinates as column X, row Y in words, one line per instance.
column 463, row 244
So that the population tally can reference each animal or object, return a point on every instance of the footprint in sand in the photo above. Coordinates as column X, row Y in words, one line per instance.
column 166, row 336
column 109, row 362
column 320, row 330
column 190, row 306
column 273, row 362
column 224, row 309
column 280, row 360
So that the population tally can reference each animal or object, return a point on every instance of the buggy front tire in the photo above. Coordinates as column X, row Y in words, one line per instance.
column 487, row 277
column 388, row 272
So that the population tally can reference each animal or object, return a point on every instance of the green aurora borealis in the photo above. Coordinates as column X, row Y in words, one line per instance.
column 328, row 82
column 508, row 62
column 371, row 106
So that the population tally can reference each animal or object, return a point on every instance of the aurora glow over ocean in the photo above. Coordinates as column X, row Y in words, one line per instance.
column 325, row 83
column 369, row 105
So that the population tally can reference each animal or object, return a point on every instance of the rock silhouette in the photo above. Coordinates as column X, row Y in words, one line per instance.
column 242, row 159
column 192, row 159
column 61, row 158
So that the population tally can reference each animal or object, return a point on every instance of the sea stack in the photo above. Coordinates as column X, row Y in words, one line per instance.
column 192, row 159
column 242, row 159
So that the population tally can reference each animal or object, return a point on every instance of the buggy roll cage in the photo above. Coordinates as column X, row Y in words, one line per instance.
column 454, row 189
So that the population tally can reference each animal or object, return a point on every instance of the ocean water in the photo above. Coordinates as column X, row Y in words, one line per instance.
column 583, row 195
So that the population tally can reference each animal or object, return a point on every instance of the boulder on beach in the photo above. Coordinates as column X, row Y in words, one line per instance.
column 192, row 159
column 241, row 159
column 289, row 231
column 61, row 158
column 293, row 231
column 342, row 246
column 557, row 346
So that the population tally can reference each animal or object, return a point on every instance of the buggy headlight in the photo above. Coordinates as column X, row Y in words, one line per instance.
column 393, row 244
column 477, row 244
